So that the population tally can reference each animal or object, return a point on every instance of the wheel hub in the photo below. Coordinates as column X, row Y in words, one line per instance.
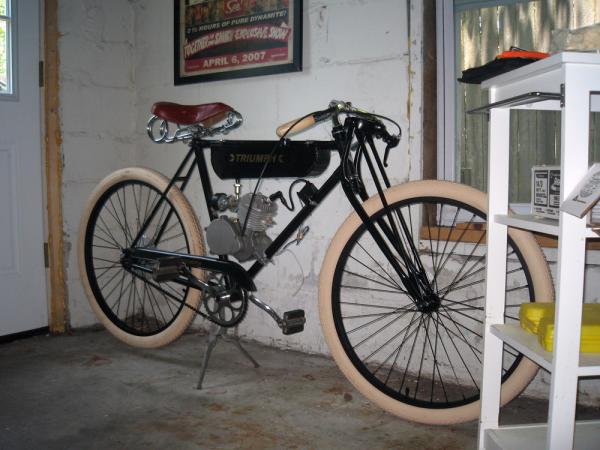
column 429, row 303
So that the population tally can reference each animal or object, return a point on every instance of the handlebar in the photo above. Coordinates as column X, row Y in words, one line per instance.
column 298, row 125
column 336, row 108
column 295, row 126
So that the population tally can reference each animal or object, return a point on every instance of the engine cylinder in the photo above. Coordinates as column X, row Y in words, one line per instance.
column 260, row 214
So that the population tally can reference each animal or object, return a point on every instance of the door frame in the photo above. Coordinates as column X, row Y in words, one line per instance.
column 58, row 310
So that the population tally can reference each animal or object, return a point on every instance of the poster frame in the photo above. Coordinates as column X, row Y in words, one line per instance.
column 295, row 65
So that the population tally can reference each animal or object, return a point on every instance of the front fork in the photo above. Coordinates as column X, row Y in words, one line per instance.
column 413, row 275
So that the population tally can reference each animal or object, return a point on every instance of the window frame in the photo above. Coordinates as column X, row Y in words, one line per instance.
column 11, row 52
column 446, row 68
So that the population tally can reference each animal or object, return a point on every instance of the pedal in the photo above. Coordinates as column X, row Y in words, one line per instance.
column 166, row 269
column 293, row 321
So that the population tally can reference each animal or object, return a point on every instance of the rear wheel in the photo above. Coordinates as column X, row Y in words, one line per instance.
column 421, row 358
column 129, row 303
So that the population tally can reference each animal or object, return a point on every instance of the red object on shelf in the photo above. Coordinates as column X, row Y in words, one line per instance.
column 518, row 53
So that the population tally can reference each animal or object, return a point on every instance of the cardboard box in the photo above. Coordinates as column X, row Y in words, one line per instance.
column 545, row 191
column 545, row 194
column 585, row 196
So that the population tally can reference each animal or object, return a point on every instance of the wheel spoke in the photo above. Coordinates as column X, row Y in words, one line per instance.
column 379, row 264
column 465, row 264
column 370, row 305
column 448, row 358
column 380, row 330
column 362, row 288
column 370, row 269
column 380, row 317
column 373, row 281
column 451, row 334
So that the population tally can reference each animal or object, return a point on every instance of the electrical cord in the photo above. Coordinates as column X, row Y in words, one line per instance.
column 279, row 195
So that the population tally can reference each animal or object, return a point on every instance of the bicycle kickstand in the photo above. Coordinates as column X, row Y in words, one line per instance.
column 216, row 332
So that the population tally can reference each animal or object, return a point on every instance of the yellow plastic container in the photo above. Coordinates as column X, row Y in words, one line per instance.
column 538, row 318
column 590, row 330
column 530, row 315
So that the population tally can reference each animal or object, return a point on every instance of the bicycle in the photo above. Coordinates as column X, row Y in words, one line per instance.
column 401, row 285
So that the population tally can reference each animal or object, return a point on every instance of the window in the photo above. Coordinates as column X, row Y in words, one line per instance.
column 6, row 45
column 471, row 33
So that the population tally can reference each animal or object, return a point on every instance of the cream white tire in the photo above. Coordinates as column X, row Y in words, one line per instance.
column 196, row 247
column 534, row 260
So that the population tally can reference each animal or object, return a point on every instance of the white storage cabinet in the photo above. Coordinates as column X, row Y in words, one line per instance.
column 565, row 82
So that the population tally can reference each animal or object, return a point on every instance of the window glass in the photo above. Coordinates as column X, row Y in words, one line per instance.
column 3, row 54
column 5, row 42
column 482, row 33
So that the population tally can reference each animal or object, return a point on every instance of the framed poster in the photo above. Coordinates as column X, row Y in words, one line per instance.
column 220, row 39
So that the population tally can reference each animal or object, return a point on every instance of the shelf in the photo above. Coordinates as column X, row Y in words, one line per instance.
column 530, row 222
column 527, row 343
column 533, row 437
column 537, row 224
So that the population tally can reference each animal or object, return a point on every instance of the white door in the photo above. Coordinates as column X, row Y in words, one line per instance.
column 23, row 297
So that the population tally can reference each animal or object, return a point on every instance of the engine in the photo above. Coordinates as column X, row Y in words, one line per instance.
column 224, row 235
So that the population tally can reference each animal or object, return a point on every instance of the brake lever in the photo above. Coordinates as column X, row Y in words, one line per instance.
column 392, row 141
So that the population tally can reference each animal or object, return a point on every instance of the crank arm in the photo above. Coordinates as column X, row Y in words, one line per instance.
column 266, row 308
column 292, row 321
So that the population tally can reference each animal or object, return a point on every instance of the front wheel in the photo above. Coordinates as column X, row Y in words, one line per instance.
column 130, row 304
column 421, row 358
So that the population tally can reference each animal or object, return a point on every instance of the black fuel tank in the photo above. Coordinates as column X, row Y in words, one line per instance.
column 293, row 159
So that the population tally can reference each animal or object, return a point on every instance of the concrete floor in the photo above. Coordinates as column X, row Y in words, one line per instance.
column 90, row 391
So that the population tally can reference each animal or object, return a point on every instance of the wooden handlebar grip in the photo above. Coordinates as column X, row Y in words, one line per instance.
column 300, row 126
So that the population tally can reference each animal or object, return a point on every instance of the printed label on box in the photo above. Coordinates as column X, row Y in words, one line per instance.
column 541, row 188
column 554, row 188
column 545, row 191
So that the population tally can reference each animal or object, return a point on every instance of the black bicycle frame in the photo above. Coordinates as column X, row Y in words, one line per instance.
column 183, row 175
column 350, row 177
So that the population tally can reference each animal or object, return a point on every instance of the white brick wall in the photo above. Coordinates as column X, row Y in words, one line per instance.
column 97, row 98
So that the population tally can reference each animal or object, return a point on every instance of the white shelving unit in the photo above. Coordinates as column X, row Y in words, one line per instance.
column 572, row 82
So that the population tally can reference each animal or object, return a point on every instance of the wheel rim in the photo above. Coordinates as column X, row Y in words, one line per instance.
column 129, row 298
column 423, row 353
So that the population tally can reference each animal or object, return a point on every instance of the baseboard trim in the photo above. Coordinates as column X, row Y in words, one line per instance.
column 24, row 334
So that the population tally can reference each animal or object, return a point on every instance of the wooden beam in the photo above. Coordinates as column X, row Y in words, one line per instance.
column 472, row 233
column 58, row 322
column 429, row 92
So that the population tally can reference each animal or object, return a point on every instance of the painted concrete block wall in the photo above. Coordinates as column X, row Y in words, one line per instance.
column 353, row 50
column 97, row 99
